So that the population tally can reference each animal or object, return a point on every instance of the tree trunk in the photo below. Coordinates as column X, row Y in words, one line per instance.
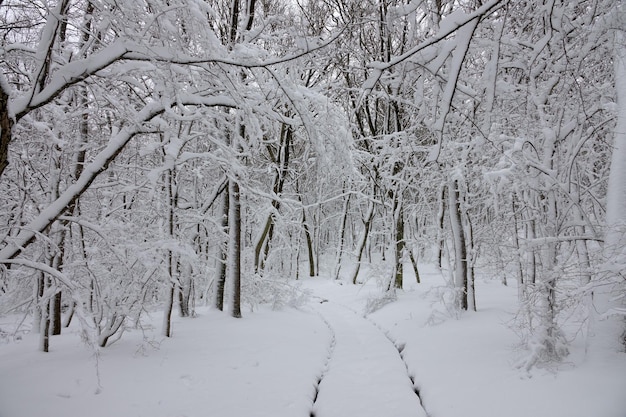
column 56, row 322
column 440, row 222
column 44, row 332
column 6, row 125
column 470, row 250
column 38, row 314
column 521, row 282
column 309, row 243
column 235, row 248
column 169, row 300
column 608, row 333
column 342, row 237
column 263, row 244
column 367, row 225
column 400, row 244
column 172, row 260
column 223, row 256
column 282, row 160
column 414, row 263
column 460, row 250
column 185, row 291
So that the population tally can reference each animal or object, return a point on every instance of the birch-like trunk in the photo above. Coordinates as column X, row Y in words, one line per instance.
column 607, row 322
column 460, row 250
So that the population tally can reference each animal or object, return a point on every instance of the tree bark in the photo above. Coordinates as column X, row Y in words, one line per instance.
column 172, row 260
column 400, row 244
column 44, row 336
column 367, row 225
column 309, row 243
column 460, row 250
column 235, row 247
column 415, row 270
column 342, row 237
column 440, row 222
column 6, row 126
column 223, row 255
column 282, row 160
column 607, row 324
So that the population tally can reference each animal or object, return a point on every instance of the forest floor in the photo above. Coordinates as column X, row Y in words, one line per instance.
column 347, row 352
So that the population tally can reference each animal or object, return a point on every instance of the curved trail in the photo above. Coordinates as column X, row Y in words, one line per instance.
column 365, row 375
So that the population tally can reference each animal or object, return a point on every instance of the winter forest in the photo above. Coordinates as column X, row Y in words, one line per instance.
column 165, row 161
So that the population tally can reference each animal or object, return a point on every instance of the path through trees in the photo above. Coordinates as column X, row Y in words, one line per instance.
column 365, row 373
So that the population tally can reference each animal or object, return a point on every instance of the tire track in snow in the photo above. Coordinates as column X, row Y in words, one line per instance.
column 362, row 371
column 331, row 348
column 400, row 349
column 400, row 346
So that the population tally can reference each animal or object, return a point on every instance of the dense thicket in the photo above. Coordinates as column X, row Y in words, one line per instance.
column 157, row 154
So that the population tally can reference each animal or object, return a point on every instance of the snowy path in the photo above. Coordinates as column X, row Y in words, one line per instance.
column 365, row 374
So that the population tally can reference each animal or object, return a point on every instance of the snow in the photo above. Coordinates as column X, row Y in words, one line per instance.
column 362, row 361
column 327, row 358
column 264, row 365
column 465, row 366
column 608, row 331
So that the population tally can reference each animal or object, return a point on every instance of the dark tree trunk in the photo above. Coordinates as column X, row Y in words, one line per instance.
column 415, row 270
column 56, row 323
column 309, row 244
column 367, row 225
column 221, row 267
column 342, row 236
column 6, row 124
column 235, row 247
column 400, row 244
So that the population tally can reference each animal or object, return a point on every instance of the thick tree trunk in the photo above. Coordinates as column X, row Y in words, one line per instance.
column 56, row 322
column 608, row 320
column 460, row 250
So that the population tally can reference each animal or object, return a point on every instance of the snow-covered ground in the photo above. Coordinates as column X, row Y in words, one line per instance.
column 327, row 358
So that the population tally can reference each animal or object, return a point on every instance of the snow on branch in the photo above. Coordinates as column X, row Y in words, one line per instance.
column 448, row 26
column 67, row 75
column 98, row 165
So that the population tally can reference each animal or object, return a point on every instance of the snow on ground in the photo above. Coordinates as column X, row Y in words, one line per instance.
column 326, row 359
column 365, row 374
column 263, row 365
column 465, row 366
